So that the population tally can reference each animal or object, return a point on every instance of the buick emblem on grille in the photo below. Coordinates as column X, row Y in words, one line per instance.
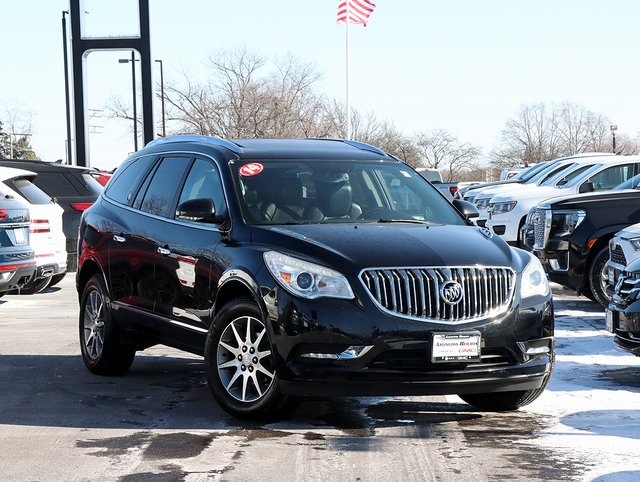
column 451, row 292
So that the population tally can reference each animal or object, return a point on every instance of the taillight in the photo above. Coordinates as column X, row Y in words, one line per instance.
column 453, row 190
column 13, row 267
column 39, row 226
column 3, row 214
column 80, row 206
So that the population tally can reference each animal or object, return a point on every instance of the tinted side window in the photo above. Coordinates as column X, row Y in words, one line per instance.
column 126, row 179
column 29, row 191
column 612, row 176
column 55, row 184
column 162, row 191
column 203, row 181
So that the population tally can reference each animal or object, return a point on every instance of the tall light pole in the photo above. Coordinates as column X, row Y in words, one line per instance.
column 135, row 109
column 66, row 83
column 613, row 128
column 164, row 126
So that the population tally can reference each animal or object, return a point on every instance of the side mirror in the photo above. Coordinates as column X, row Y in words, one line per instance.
column 201, row 210
column 586, row 187
column 467, row 209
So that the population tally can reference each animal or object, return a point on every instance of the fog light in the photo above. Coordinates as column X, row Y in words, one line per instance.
column 535, row 347
column 349, row 354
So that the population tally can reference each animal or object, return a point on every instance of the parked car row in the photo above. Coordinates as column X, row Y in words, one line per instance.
column 55, row 196
column 577, row 215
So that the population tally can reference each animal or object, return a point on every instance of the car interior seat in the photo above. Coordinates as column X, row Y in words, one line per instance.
column 335, row 198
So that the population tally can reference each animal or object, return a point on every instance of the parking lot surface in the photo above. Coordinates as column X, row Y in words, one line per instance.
column 159, row 422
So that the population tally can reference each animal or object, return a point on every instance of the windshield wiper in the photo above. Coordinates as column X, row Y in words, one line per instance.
column 411, row 221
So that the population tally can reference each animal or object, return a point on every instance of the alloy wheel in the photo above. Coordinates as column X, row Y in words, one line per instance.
column 93, row 323
column 244, row 361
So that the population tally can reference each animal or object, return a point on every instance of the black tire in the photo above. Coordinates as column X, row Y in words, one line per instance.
column 239, row 363
column 597, row 283
column 36, row 286
column 56, row 278
column 102, row 351
column 507, row 401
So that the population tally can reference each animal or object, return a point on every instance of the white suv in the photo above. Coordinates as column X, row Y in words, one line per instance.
column 507, row 213
column 552, row 172
column 46, row 236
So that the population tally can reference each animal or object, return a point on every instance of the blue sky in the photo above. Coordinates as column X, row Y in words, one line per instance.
column 463, row 65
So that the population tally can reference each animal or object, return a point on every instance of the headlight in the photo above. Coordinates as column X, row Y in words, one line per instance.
column 635, row 242
column 482, row 203
column 305, row 279
column 564, row 223
column 501, row 208
column 534, row 280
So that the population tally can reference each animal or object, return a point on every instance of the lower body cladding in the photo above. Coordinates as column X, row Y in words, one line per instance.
column 624, row 323
column 340, row 348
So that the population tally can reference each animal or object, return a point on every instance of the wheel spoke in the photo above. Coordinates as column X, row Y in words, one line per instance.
column 256, row 384
column 229, row 348
column 245, row 379
column 230, row 364
column 263, row 370
column 248, row 336
column 239, row 340
column 233, row 379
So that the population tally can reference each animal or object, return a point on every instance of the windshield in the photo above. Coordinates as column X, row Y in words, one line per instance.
column 530, row 172
column 320, row 191
column 561, row 179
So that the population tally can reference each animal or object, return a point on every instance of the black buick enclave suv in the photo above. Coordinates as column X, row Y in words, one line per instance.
column 307, row 267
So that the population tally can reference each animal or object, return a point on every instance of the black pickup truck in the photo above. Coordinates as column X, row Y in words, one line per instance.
column 570, row 235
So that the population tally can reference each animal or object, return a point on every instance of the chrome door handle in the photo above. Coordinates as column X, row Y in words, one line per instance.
column 119, row 239
column 163, row 251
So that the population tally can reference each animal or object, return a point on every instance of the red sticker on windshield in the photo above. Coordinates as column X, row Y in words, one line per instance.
column 251, row 169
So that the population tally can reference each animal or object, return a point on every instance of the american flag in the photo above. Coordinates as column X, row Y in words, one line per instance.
column 358, row 10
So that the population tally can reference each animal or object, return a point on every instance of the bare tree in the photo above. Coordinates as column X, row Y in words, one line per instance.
column 538, row 133
column 441, row 150
column 15, row 133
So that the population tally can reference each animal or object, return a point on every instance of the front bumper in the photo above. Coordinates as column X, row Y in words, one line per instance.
column 624, row 322
column 516, row 350
column 506, row 228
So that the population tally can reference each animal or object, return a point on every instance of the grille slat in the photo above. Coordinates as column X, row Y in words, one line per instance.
column 415, row 292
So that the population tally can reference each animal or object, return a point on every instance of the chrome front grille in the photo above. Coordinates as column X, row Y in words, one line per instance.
column 539, row 223
column 425, row 292
column 617, row 255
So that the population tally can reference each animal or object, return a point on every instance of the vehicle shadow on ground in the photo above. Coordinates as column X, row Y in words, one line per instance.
column 165, row 392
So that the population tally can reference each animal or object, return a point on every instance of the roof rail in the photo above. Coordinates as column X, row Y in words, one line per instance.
column 216, row 141
column 365, row 147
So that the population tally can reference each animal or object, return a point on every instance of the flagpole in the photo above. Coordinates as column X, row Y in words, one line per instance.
column 348, row 126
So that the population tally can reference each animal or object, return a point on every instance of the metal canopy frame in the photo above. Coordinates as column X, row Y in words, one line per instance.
column 82, row 46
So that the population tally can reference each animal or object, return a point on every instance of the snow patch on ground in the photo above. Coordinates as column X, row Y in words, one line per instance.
column 594, row 393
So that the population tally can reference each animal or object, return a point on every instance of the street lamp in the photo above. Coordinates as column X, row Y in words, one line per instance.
column 135, row 110
column 613, row 128
column 164, row 126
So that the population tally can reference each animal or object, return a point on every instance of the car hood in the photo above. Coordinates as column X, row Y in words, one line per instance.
column 537, row 193
column 629, row 232
column 503, row 190
column 353, row 247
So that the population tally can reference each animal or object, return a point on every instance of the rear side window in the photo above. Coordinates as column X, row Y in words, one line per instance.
column 127, row 178
column 161, row 193
column 29, row 191
column 56, row 184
